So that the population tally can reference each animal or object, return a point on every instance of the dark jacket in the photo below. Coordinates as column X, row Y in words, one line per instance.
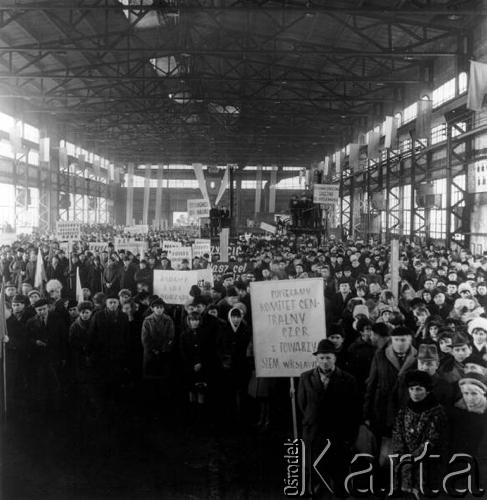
column 157, row 342
column 334, row 410
column 381, row 398
column 79, row 335
column 109, row 346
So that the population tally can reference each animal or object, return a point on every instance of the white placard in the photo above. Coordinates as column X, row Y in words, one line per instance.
column 136, row 229
column 174, row 286
column 288, row 318
column 167, row 244
column 7, row 238
column 326, row 194
column 201, row 247
column 130, row 245
column 268, row 227
column 68, row 230
column 176, row 256
column 198, row 208
column 97, row 246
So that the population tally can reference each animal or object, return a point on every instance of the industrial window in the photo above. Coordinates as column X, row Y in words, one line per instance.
column 6, row 122
column 459, row 128
column 410, row 113
column 295, row 183
column 444, row 93
column 438, row 133
column 462, row 83
column 6, row 149
column 405, row 145
column 33, row 157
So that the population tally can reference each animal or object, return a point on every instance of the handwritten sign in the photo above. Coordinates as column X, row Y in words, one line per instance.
column 326, row 194
column 130, row 245
column 198, row 208
column 176, row 256
column 288, row 319
column 68, row 230
column 237, row 269
column 97, row 246
column 167, row 244
column 201, row 247
column 174, row 286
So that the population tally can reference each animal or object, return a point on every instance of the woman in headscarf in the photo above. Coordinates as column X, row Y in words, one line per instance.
column 422, row 420
column 468, row 421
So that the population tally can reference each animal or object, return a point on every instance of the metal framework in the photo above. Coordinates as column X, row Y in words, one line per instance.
column 236, row 83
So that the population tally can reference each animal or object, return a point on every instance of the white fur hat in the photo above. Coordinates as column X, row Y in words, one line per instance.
column 477, row 323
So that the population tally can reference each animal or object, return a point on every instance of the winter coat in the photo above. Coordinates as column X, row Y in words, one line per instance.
column 380, row 404
column 109, row 347
column 415, row 424
column 332, row 412
column 79, row 335
column 157, row 342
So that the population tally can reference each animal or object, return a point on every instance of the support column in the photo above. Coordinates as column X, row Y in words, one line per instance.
column 157, row 215
column 145, row 210
column 129, row 214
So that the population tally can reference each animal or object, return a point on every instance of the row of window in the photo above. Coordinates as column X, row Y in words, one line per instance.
column 291, row 183
column 402, row 213
column 442, row 94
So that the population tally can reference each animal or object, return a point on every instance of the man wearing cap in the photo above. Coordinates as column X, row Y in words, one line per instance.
column 47, row 340
column 453, row 369
column 387, row 366
column 157, row 342
column 342, row 297
column 328, row 401
column 429, row 362
column 109, row 352
column 10, row 291
column 16, row 355
column 127, row 275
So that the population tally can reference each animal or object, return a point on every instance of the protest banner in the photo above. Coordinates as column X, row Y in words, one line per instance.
column 97, row 246
column 130, row 245
column 168, row 244
column 288, row 318
column 201, row 247
column 174, row 286
column 7, row 238
column 67, row 230
column 268, row 227
column 237, row 269
column 176, row 256
column 326, row 194
column 136, row 229
column 198, row 208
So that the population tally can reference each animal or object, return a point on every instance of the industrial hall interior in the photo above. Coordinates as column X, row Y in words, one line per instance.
column 243, row 249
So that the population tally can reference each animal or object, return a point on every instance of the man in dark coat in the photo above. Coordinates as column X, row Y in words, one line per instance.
column 16, row 355
column 127, row 275
column 109, row 351
column 388, row 364
column 47, row 340
column 328, row 402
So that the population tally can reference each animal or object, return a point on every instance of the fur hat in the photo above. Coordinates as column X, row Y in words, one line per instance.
column 480, row 323
column 417, row 377
column 428, row 352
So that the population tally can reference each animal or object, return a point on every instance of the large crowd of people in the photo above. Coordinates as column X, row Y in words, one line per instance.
column 408, row 368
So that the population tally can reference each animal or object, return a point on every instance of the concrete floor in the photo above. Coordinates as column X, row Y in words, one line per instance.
column 148, row 459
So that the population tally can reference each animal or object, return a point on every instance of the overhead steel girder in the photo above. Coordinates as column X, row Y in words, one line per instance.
column 208, row 77
column 216, row 51
column 241, row 6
